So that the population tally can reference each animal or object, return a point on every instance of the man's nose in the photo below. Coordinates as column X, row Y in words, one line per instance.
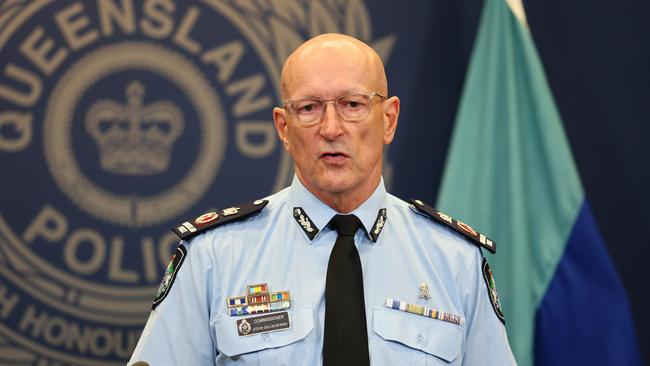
column 332, row 124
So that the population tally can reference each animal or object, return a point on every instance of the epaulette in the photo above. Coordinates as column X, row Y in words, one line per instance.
column 458, row 226
column 208, row 220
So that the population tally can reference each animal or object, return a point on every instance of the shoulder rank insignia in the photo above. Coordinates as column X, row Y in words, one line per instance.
column 191, row 228
column 458, row 226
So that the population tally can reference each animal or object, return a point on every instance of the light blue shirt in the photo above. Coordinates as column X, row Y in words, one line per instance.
column 192, row 325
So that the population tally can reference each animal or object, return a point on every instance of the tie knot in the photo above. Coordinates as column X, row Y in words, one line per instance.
column 345, row 224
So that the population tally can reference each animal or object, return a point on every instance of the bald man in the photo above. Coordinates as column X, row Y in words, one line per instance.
column 332, row 270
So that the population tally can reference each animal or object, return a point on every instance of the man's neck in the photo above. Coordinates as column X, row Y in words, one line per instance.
column 348, row 201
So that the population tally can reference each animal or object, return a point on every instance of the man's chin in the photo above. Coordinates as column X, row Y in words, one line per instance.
column 335, row 183
column 335, row 187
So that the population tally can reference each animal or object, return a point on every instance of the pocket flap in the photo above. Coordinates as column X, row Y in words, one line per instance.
column 230, row 343
column 435, row 337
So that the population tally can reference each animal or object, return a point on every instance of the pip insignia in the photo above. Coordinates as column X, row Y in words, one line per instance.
column 258, row 300
column 458, row 226
column 231, row 211
column 190, row 228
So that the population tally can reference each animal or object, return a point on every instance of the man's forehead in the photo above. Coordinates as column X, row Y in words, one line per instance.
column 338, row 70
column 325, row 56
column 357, row 65
column 327, row 79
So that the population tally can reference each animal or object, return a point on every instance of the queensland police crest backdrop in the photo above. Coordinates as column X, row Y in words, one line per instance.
column 119, row 118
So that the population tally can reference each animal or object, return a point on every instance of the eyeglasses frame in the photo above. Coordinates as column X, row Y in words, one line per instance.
column 371, row 95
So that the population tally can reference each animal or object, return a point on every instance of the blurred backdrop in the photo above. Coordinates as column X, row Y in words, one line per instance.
column 119, row 118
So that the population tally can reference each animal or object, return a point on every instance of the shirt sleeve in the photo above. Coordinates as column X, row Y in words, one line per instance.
column 487, row 341
column 178, row 329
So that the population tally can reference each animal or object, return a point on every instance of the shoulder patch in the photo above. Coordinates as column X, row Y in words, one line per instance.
column 175, row 262
column 458, row 226
column 190, row 228
column 492, row 291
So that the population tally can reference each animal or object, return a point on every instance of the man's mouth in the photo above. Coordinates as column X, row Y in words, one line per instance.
column 334, row 156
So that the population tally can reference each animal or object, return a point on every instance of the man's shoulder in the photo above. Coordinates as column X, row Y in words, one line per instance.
column 241, row 213
column 438, row 218
column 190, row 228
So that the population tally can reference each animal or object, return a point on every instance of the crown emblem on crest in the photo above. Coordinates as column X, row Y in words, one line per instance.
column 133, row 138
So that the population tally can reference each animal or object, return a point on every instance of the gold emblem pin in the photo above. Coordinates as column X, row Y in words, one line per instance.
column 424, row 292
column 230, row 211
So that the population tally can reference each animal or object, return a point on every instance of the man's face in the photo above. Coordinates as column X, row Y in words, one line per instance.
column 337, row 157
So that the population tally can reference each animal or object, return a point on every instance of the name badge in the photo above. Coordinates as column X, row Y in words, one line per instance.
column 263, row 324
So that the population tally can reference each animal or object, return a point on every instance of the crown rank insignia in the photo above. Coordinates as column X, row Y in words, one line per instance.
column 258, row 300
column 134, row 138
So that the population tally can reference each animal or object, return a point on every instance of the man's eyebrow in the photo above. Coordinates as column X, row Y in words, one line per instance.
column 345, row 92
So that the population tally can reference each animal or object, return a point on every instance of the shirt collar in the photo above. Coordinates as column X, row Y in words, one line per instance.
column 314, row 215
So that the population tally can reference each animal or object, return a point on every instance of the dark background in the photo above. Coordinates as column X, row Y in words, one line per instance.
column 597, row 59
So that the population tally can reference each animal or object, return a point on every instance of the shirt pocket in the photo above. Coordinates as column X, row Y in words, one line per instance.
column 410, row 339
column 257, row 348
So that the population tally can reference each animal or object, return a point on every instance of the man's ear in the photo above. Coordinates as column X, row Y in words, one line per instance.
column 281, row 125
column 391, row 115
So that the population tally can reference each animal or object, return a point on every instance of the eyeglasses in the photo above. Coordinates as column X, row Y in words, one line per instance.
column 352, row 107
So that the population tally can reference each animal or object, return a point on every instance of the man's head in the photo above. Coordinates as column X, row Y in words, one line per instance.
column 338, row 160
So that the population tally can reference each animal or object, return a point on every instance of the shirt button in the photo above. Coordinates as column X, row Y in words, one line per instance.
column 420, row 338
column 265, row 338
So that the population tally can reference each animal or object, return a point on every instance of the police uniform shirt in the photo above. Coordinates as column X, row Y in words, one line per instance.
column 403, row 254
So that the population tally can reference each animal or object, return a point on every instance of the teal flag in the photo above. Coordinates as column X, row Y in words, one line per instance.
column 510, row 174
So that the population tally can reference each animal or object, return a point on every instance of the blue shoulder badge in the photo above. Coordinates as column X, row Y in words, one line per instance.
column 458, row 226
column 190, row 228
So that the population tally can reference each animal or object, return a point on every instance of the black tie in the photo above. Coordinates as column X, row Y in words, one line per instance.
column 346, row 336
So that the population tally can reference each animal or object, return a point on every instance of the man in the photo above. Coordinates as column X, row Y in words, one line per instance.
column 331, row 270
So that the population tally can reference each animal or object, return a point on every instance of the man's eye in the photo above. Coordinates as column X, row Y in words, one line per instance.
column 352, row 104
column 307, row 108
